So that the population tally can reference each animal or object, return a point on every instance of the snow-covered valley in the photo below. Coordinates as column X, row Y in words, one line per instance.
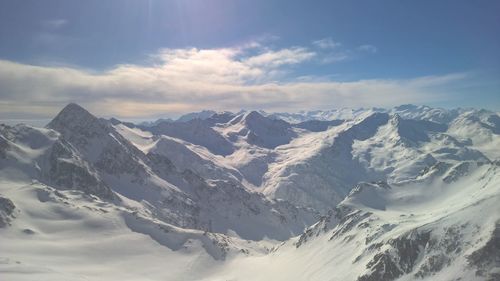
column 407, row 193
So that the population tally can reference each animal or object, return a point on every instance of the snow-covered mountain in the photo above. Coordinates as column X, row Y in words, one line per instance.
column 406, row 193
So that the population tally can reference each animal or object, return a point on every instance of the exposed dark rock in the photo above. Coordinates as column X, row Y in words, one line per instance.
column 28, row 231
column 399, row 259
column 4, row 145
column 440, row 251
column 349, row 221
column 487, row 257
column 324, row 224
column 458, row 171
column 67, row 170
column 6, row 211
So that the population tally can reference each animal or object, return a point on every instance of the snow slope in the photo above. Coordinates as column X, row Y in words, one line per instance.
column 68, row 235
column 429, row 230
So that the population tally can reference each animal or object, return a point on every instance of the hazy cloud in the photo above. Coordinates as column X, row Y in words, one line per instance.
column 330, row 51
column 326, row 43
column 368, row 48
column 182, row 80
column 336, row 57
column 54, row 24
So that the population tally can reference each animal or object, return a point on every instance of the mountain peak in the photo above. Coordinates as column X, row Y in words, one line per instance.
column 254, row 115
column 266, row 132
column 73, row 108
column 202, row 115
column 72, row 118
column 395, row 119
column 255, row 120
column 114, row 121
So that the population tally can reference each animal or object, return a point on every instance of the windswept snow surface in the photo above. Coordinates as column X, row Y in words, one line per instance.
column 408, row 193
column 417, row 231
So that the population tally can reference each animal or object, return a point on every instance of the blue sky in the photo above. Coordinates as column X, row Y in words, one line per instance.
column 163, row 58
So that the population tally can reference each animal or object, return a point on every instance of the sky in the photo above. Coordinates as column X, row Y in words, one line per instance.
column 146, row 59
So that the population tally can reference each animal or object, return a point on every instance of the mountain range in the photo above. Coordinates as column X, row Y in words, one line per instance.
column 406, row 193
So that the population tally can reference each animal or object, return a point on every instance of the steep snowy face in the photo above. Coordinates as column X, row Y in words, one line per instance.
column 97, row 140
column 40, row 154
column 377, row 146
column 197, row 132
column 202, row 115
column 403, row 148
column 416, row 131
column 327, row 172
column 224, row 203
column 219, row 118
column 481, row 129
column 430, row 230
column 317, row 125
column 258, row 130
column 185, row 157
column 21, row 155
column 255, row 139
column 177, row 192
column 141, row 139
column 77, row 125
column 123, row 167
column 66, row 169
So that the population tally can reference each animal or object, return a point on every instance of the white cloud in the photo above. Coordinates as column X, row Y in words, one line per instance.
column 282, row 57
column 326, row 43
column 182, row 80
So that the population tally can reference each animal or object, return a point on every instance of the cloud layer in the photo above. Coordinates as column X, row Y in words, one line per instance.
column 182, row 80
